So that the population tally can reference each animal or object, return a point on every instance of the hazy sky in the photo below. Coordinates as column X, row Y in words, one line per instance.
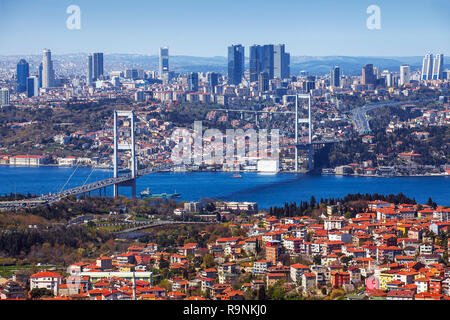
column 207, row 27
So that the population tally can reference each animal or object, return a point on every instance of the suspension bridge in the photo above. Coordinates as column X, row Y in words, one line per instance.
column 128, row 179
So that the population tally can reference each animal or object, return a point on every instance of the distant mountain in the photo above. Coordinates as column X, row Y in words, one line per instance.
column 350, row 65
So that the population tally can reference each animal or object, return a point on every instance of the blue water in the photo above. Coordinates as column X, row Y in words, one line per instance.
column 265, row 189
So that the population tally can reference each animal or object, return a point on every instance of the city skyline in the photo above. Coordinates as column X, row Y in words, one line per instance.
column 298, row 25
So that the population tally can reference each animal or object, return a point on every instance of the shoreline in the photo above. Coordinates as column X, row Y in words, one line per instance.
column 241, row 171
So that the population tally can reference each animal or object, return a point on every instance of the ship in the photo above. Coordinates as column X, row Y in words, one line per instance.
column 148, row 194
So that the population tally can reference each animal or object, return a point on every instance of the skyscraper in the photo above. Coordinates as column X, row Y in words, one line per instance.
column 387, row 75
column 404, row 74
column 23, row 72
column 427, row 67
column 48, row 74
column 255, row 62
column 368, row 76
column 281, row 61
column 193, row 81
column 213, row 79
column 89, row 76
column 32, row 86
column 263, row 82
column 335, row 77
column 40, row 75
column 267, row 61
column 163, row 60
column 97, row 65
column 438, row 66
column 235, row 64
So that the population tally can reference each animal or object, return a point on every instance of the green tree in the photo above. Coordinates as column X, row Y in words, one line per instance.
column 208, row 261
column 38, row 293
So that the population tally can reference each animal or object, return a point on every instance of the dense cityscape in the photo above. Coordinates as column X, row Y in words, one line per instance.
column 352, row 248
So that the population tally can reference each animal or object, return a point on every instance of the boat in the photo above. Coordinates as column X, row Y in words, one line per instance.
column 148, row 194
column 237, row 175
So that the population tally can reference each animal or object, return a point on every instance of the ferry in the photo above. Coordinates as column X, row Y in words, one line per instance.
column 148, row 194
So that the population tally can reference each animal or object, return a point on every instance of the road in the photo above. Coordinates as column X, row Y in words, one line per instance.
column 361, row 119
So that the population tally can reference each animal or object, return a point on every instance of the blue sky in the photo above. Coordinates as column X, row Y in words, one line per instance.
column 207, row 27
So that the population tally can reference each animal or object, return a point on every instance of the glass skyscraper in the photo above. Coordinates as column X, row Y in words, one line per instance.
column 213, row 79
column 97, row 65
column 23, row 72
column 32, row 86
column 335, row 77
column 193, row 81
column 281, row 61
column 255, row 62
column 163, row 60
column 427, row 67
column 89, row 76
column 235, row 64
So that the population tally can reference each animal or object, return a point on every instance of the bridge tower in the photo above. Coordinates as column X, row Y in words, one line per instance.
column 129, row 114
column 304, row 120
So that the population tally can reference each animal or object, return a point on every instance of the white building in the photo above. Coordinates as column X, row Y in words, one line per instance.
column 47, row 280
column 438, row 67
column 404, row 74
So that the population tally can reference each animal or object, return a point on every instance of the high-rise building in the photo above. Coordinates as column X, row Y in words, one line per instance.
column 281, row 62
column 163, row 60
column 89, row 76
column 23, row 72
column 387, row 75
column 438, row 66
column 48, row 74
column 368, row 75
column 255, row 62
column 40, row 75
column 309, row 84
column 32, row 86
column 4, row 97
column 263, row 82
column 213, row 79
column 335, row 77
column 192, row 80
column 97, row 66
column 235, row 64
column 427, row 67
column 404, row 74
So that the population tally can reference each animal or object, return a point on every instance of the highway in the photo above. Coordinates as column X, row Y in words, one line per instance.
column 361, row 119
